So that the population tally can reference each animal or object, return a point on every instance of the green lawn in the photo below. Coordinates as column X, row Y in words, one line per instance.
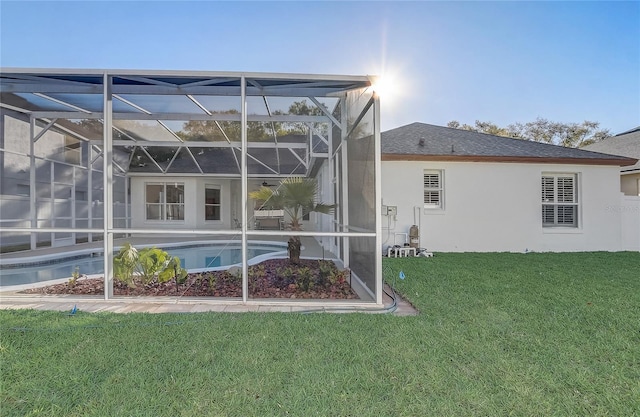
column 498, row 334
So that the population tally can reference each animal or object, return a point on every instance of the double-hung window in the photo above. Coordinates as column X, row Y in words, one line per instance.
column 433, row 189
column 212, row 205
column 165, row 201
column 559, row 200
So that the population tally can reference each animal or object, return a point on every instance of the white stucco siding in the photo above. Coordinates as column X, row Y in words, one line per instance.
column 497, row 207
column 194, row 197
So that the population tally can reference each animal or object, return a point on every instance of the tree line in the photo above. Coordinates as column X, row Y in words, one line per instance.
column 572, row 135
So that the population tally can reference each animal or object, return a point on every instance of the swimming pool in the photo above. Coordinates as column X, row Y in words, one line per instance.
column 195, row 257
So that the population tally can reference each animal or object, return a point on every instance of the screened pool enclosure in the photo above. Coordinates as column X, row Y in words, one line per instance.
column 94, row 159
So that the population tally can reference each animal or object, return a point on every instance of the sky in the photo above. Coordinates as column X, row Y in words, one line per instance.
column 502, row 62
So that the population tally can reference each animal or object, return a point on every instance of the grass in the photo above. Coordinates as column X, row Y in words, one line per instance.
column 498, row 334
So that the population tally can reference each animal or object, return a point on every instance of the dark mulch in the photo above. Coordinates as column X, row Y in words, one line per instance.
column 275, row 278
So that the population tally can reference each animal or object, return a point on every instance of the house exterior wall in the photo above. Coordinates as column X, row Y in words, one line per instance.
column 231, row 201
column 194, row 191
column 497, row 207
column 630, row 184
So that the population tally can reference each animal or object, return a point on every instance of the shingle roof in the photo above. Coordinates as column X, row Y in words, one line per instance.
column 623, row 144
column 222, row 161
column 424, row 141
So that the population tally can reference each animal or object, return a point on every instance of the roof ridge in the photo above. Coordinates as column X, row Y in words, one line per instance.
column 444, row 141
column 632, row 130
column 511, row 138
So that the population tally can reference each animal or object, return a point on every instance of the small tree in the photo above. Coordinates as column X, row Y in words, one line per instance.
column 297, row 197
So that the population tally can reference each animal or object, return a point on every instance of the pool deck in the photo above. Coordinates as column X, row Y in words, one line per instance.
column 10, row 298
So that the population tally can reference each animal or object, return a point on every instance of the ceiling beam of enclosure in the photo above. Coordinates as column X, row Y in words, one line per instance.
column 61, row 98
column 176, row 82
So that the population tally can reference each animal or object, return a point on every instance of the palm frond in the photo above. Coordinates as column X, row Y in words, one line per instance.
column 270, row 199
column 324, row 208
column 295, row 195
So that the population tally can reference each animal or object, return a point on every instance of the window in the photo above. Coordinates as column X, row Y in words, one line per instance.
column 165, row 201
column 559, row 200
column 212, row 202
column 433, row 190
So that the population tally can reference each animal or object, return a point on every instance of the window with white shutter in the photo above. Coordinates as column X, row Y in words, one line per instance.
column 559, row 200
column 433, row 189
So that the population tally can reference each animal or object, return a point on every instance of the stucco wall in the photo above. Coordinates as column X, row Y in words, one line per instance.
column 194, row 203
column 497, row 207
column 231, row 201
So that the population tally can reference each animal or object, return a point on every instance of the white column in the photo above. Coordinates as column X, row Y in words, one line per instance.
column 73, row 204
column 90, row 191
column 32, row 183
column 245, row 188
column 344, row 177
column 127, row 213
column 52, row 199
column 378, row 199
column 107, row 181
column 330, row 181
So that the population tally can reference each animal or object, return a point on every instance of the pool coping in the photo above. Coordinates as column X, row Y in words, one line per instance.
column 35, row 259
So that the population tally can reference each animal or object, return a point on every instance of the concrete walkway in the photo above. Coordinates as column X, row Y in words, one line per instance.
column 89, row 304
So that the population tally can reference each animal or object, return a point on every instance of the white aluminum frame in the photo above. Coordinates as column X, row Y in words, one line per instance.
column 44, row 83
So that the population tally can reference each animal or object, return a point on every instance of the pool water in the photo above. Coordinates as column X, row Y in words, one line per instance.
column 195, row 258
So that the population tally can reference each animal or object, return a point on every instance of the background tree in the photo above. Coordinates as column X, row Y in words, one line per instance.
column 573, row 135
column 214, row 131
column 211, row 131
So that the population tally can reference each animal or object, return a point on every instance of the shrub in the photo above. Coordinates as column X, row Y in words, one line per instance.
column 151, row 261
column 173, row 269
column 327, row 272
column 74, row 277
column 124, row 263
column 304, row 280
column 212, row 281
column 147, row 263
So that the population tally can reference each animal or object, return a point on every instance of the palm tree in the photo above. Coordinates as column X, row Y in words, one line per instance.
column 296, row 196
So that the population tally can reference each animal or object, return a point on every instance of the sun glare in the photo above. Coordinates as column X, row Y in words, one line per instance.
column 387, row 87
column 389, row 81
column 381, row 86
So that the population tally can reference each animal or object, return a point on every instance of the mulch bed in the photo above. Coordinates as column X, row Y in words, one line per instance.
column 275, row 278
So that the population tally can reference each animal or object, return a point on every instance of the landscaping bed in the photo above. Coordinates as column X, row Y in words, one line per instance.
column 275, row 278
